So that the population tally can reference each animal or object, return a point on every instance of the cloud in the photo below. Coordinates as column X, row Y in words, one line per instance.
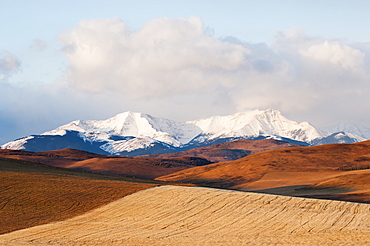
column 165, row 56
column 175, row 68
column 336, row 54
column 177, row 58
column 33, row 109
column 38, row 45
column 9, row 64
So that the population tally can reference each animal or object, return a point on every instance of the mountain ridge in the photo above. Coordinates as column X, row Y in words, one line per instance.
column 132, row 134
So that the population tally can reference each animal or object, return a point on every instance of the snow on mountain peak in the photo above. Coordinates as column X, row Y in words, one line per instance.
column 127, row 124
column 357, row 131
column 255, row 123
column 16, row 144
column 130, row 131
column 135, row 125
column 128, row 145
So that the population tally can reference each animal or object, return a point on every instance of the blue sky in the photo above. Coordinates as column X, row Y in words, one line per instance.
column 67, row 60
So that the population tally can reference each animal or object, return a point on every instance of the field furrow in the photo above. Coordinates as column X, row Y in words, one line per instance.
column 170, row 215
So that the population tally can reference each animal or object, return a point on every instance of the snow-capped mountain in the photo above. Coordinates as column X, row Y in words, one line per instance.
column 357, row 131
column 337, row 137
column 256, row 123
column 137, row 133
column 129, row 124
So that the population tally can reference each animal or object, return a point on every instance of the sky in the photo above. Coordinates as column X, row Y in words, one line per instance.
column 183, row 60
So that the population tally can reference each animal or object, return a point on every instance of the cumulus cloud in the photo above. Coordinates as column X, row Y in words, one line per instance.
column 165, row 56
column 337, row 54
column 9, row 64
column 168, row 59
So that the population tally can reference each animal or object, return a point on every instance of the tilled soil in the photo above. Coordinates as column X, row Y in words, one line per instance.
column 170, row 215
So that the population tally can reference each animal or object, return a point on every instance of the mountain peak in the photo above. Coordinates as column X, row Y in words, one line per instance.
column 132, row 131
column 358, row 131
column 130, row 114
column 272, row 111
column 255, row 123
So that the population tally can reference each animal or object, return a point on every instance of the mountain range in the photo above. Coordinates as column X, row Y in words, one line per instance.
column 133, row 134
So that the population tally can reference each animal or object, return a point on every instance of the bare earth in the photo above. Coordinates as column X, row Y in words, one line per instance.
column 170, row 215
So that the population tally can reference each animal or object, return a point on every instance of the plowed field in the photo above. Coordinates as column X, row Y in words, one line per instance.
column 170, row 215
column 33, row 194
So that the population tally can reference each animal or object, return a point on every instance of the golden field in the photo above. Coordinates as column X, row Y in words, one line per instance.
column 175, row 215
column 33, row 194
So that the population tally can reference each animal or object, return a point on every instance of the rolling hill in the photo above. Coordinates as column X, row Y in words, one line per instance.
column 317, row 171
column 85, row 161
column 34, row 194
column 170, row 215
column 230, row 150
column 151, row 166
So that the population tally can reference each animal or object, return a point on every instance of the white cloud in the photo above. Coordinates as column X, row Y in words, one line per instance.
column 9, row 64
column 165, row 56
column 337, row 54
column 173, row 68
column 167, row 59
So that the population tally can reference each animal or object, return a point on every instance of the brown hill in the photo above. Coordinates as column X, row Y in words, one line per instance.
column 146, row 166
column 283, row 171
column 231, row 150
column 85, row 161
column 57, row 158
column 138, row 167
column 183, row 216
column 34, row 194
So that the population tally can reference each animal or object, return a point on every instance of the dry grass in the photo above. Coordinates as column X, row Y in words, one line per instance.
column 137, row 167
column 81, row 160
column 33, row 194
column 169, row 215
column 290, row 167
column 230, row 150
